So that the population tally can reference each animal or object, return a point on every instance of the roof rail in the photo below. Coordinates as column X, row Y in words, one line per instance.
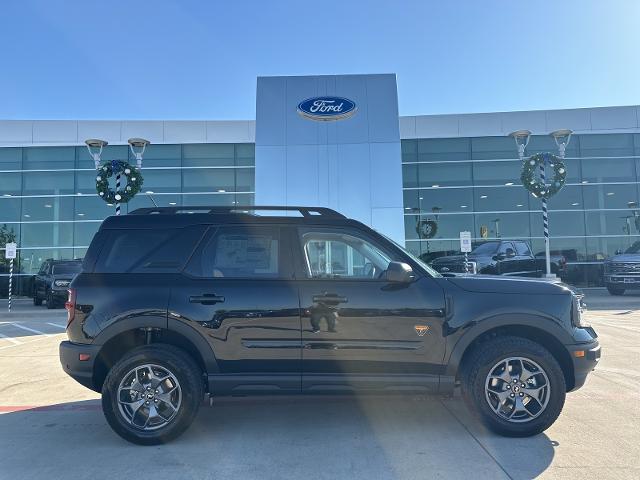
column 237, row 210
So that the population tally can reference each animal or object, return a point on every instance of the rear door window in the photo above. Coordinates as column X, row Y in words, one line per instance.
column 522, row 248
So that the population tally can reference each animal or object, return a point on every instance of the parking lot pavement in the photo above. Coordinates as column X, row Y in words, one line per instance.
column 53, row 428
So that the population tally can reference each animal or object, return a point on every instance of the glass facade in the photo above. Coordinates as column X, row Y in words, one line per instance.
column 48, row 198
column 473, row 184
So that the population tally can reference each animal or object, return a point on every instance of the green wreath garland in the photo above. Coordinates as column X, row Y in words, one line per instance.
column 128, row 190
column 426, row 228
column 531, row 166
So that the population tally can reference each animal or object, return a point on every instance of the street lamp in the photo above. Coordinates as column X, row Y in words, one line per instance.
column 138, row 146
column 521, row 138
column 562, row 138
column 95, row 146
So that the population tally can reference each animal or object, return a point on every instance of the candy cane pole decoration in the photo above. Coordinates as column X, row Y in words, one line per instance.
column 10, row 281
column 117, row 192
column 545, row 219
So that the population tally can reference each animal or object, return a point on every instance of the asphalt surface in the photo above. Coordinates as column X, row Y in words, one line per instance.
column 51, row 427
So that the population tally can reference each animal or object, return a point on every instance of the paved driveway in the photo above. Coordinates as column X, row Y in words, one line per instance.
column 51, row 427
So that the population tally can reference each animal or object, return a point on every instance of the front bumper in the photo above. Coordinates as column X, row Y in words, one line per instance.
column 60, row 293
column 585, row 357
column 80, row 370
column 622, row 280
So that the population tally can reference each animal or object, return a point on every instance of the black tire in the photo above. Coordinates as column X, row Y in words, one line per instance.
column 37, row 301
column 50, row 302
column 616, row 291
column 174, row 360
column 477, row 369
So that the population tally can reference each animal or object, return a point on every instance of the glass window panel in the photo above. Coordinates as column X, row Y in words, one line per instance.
column 561, row 224
column 110, row 152
column 612, row 222
column 245, row 178
column 91, row 208
column 429, row 250
column 410, row 176
column 435, row 200
column 494, row 199
column 32, row 259
column 159, row 156
column 159, row 181
column 208, row 180
column 84, row 232
column 221, row 199
column 245, row 199
column 546, row 143
column 610, row 196
column 409, row 150
column 444, row 174
column 496, row 173
column 503, row 225
column 10, row 184
column 607, row 145
column 574, row 170
column 569, row 198
column 47, row 208
column 493, row 147
column 10, row 159
column 10, row 209
column 447, row 226
column 443, row 149
column 49, row 157
column 599, row 170
column 208, row 154
column 572, row 249
column 48, row 183
column 599, row 248
column 636, row 143
column 245, row 154
column 46, row 234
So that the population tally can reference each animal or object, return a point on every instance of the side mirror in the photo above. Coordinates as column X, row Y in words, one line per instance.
column 399, row 272
column 510, row 253
column 618, row 252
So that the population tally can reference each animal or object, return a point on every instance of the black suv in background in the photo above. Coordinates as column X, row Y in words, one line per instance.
column 52, row 281
column 175, row 303
column 501, row 257
column 622, row 271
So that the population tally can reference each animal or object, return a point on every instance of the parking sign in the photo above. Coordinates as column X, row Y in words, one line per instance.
column 10, row 251
column 465, row 242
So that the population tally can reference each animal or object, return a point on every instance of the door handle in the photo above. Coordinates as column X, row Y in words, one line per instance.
column 329, row 298
column 206, row 299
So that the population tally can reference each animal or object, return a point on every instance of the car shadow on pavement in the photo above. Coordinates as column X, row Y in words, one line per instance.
column 329, row 437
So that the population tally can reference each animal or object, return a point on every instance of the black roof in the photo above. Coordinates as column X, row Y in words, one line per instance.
column 168, row 217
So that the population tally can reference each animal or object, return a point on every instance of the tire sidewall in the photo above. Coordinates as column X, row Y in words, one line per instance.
column 188, row 376
column 487, row 359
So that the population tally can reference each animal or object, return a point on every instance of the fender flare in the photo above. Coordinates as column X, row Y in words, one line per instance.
column 546, row 325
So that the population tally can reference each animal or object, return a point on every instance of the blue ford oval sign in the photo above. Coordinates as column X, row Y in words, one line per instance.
column 327, row 108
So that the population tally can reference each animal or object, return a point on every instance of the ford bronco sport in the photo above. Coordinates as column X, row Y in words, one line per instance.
column 176, row 303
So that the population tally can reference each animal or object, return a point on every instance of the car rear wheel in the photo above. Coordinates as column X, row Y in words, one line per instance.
column 514, row 385
column 152, row 394
column 616, row 291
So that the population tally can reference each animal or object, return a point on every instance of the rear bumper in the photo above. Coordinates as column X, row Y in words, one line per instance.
column 80, row 370
column 585, row 357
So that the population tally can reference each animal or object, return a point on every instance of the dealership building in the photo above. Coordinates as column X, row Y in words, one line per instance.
column 337, row 141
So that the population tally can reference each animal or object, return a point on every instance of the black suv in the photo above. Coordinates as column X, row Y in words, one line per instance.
column 175, row 303
column 52, row 281
column 500, row 257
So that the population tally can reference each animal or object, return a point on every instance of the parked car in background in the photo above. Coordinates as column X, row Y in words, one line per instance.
column 52, row 281
column 500, row 257
column 622, row 271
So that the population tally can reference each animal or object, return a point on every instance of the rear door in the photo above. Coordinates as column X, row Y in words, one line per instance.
column 238, row 292
column 527, row 265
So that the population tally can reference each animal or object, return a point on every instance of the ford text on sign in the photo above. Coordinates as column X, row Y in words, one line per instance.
column 326, row 108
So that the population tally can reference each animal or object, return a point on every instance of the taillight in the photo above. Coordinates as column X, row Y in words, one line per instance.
column 70, row 305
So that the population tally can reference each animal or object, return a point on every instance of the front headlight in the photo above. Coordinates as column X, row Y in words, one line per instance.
column 61, row 283
column 577, row 312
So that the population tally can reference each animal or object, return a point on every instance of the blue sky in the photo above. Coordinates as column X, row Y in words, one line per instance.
column 187, row 59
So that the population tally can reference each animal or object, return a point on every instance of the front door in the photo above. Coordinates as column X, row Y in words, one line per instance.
column 238, row 291
column 360, row 331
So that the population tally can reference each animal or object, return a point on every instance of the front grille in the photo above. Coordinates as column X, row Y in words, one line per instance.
column 624, row 267
column 450, row 267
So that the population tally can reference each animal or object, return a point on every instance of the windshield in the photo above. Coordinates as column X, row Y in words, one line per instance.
column 67, row 268
column 635, row 248
column 416, row 259
column 488, row 248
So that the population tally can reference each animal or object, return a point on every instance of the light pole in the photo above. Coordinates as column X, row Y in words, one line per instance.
column 138, row 146
column 95, row 146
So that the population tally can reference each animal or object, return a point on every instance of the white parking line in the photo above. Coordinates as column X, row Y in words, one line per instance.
column 32, row 330
column 57, row 325
column 12, row 340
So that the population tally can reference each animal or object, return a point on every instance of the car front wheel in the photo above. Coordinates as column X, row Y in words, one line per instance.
column 514, row 385
column 616, row 291
column 152, row 395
